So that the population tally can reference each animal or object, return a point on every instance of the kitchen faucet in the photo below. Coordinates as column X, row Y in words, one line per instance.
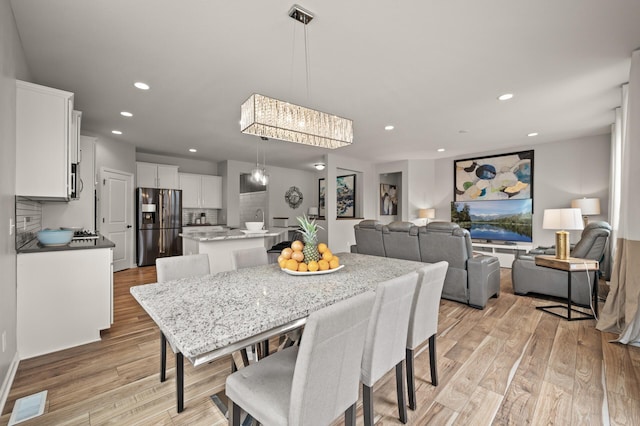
column 260, row 211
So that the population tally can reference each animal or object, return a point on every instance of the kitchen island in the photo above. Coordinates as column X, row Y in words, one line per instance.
column 220, row 244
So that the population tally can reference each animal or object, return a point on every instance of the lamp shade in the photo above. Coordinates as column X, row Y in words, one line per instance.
column 313, row 211
column 588, row 206
column 569, row 219
column 427, row 213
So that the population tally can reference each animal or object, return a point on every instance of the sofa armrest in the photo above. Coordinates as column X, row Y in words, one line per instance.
column 484, row 279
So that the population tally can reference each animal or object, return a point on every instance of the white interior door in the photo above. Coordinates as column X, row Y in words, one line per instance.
column 116, row 215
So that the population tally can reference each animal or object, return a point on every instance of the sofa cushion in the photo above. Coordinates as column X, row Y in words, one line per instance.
column 401, row 240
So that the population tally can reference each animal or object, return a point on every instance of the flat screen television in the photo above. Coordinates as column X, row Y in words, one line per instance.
column 496, row 220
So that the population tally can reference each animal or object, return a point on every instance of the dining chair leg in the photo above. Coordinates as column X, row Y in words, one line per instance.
column 432, row 360
column 234, row 412
column 402, row 405
column 163, row 357
column 350, row 416
column 245, row 357
column 367, row 404
column 411, row 383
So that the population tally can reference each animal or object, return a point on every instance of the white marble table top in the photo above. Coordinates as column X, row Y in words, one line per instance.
column 203, row 316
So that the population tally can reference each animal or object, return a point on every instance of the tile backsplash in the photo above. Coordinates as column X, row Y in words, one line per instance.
column 189, row 215
column 28, row 220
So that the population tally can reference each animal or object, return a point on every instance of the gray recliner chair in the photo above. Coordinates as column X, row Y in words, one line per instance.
column 527, row 277
column 369, row 238
column 401, row 240
column 470, row 279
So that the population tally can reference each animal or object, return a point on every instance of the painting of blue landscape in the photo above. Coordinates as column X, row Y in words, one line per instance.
column 499, row 220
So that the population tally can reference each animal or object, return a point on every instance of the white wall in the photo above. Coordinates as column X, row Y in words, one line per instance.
column 13, row 66
column 280, row 180
column 185, row 165
column 563, row 171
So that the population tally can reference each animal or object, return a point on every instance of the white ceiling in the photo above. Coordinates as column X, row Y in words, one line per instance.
column 431, row 68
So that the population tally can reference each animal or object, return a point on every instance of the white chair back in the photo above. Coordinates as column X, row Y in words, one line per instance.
column 246, row 258
column 423, row 321
column 175, row 267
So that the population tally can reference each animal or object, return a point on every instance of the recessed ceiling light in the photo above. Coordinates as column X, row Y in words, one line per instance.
column 389, row 127
column 142, row 86
column 126, row 114
column 441, row 149
column 116, row 132
column 505, row 96
column 532, row 134
column 319, row 166
column 193, row 150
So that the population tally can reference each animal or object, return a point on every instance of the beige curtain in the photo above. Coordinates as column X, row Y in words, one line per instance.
column 621, row 312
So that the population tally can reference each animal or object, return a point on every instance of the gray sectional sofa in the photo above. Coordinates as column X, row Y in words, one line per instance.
column 470, row 279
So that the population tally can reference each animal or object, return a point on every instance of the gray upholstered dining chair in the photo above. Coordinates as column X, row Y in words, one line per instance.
column 246, row 258
column 386, row 340
column 423, row 322
column 310, row 384
column 173, row 268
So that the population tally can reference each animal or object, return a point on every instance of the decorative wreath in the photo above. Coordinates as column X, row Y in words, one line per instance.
column 293, row 197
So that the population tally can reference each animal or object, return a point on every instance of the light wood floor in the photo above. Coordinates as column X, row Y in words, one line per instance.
column 506, row 364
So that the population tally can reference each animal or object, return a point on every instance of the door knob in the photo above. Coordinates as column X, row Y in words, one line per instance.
column 129, row 226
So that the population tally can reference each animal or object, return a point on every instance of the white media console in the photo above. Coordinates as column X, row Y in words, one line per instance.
column 505, row 253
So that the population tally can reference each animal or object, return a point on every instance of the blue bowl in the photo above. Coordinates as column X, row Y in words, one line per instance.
column 54, row 237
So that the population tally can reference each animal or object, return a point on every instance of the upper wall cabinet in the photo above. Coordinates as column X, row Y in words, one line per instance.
column 151, row 175
column 201, row 191
column 44, row 123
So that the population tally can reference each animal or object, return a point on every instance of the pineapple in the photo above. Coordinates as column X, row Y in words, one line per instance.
column 310, row 237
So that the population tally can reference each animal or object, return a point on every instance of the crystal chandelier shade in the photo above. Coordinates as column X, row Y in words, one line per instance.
column 272, row 118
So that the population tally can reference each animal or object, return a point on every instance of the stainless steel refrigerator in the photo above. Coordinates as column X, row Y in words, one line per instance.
column 159, row 223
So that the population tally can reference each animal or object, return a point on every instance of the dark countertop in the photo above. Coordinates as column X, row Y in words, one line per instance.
column 34, row 246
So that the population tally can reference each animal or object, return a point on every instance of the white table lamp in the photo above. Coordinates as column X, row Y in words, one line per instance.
column 312, row 212
column 588, row 207
column 563, row 220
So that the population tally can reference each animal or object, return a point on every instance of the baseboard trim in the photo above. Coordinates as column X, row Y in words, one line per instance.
column 8, row 381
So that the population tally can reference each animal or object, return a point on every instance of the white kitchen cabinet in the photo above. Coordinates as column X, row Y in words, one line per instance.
column 43, row 128
column 151, row 175
column 201, row 191
column 64, row 299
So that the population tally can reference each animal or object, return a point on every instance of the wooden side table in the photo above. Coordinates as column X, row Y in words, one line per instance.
column 571, row 265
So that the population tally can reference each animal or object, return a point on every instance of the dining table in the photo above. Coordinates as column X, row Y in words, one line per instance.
column 211, row 316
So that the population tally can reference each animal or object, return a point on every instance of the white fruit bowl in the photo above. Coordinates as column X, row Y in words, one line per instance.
column 254, row 226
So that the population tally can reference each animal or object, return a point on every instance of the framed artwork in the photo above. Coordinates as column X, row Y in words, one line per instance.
column 346, row 196
column 388, row 199
column 322, row 191
column 495, row 177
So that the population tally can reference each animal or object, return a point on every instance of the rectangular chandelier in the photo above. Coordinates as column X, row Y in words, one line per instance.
column 275, row 119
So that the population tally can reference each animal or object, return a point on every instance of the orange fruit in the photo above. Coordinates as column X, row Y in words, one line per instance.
column 323, row 265
column 327, row 255
column 281, row 257
column 297, row 245
column 292, row 265
column 334, row 262
column 286, row 252
column 302, row 267
column 283, row 263
column 297, row 255
column 322, row 247
column 313, row 266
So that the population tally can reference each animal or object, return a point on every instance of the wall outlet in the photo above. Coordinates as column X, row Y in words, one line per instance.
column 11, row 226
column 4, row 341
